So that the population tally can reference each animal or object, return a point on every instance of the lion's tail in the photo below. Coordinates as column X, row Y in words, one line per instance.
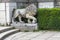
column 13, row 12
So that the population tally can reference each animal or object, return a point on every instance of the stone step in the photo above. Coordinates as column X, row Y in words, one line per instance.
column 4, row 29
column 8, row 33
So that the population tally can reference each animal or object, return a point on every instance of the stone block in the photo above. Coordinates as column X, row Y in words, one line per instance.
column 24, row 26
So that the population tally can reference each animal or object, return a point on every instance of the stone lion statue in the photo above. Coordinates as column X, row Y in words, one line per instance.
column 27, row 12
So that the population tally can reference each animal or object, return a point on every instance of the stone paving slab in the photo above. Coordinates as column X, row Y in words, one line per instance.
column 56, row 34
column 54, row 38
column 45, row 36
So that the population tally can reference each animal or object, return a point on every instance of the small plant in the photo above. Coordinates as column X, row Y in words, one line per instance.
column 26, row 30
column 2, row 25
column 35, row 30
column 13, row 27
column 19, row 30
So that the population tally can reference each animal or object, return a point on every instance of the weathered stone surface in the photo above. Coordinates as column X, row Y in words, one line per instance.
column 25, row 26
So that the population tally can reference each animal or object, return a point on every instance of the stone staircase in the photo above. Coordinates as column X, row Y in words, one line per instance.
column 4, row 29
column 10, row 33
column 7, row 31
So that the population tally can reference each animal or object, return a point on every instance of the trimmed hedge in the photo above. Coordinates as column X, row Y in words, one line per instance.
column 49, row 18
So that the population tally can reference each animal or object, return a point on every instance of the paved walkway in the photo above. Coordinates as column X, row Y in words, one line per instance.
column 15, row 34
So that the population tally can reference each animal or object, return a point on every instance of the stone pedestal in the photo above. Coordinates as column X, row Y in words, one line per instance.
column 25, row 26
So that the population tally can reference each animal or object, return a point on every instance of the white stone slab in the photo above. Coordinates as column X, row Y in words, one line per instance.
column 54, row 38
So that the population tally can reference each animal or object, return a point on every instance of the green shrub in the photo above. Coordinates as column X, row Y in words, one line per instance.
column 26, row 30
column 49, row 18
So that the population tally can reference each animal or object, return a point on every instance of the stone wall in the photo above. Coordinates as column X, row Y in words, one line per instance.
column 6, row 12
column 2, row 13
column 46, row 5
